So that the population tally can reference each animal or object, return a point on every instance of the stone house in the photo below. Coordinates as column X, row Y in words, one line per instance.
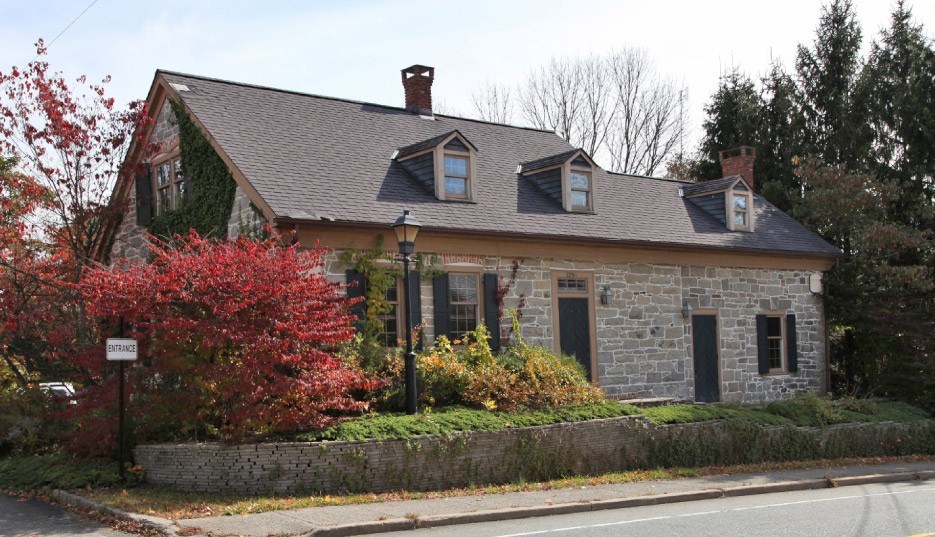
column 660, row 288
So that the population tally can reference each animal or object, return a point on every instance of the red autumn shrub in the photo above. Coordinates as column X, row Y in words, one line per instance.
column 235, row 337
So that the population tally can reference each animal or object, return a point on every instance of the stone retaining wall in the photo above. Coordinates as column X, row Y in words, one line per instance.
column 533, row 453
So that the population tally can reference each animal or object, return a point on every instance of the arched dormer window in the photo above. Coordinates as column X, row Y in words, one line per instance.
column 445, row 165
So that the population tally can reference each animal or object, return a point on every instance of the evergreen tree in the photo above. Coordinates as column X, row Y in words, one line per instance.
column 827, row 75
column 734, row 116
column 898, row 86
column 780, row 140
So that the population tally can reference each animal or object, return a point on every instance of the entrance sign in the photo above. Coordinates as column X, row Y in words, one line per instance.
column 121, row 349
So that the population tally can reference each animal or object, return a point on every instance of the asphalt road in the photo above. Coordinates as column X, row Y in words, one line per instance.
column 878, row 510
column 33, row 518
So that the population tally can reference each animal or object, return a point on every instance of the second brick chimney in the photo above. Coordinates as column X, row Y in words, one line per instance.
column 738, row 161
column 417, row 81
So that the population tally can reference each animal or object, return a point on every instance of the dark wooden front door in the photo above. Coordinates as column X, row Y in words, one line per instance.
column 574, row 332
column 704, row 349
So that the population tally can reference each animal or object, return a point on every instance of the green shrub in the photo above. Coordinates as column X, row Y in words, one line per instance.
column 451, row 420
column 522, row 377
column 24, row 425
column 807, row 409
column 61, row 471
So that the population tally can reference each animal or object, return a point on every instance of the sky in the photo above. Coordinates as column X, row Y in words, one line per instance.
column 356, row 49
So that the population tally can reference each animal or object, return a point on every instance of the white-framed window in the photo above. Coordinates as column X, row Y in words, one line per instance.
column 457, row 176
column 740, row 210
column 580, row 190
column 464, row 304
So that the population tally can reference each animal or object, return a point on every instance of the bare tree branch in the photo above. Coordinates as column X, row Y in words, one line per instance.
column 493, row 103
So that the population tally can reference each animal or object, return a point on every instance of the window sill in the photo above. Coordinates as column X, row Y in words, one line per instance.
column 777, row 373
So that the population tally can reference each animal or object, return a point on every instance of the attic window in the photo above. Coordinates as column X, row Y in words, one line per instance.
column 567, row 178
column 739, row 208
column 580, row 191
column 456, row 177
column 740, row 211
column 445, row 165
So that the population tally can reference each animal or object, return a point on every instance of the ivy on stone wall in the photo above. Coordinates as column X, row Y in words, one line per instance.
column 212, row 186
column 380, row 270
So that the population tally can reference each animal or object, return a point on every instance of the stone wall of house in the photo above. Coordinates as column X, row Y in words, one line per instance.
column 129, row 241
column 533, row 453
column 644, row 345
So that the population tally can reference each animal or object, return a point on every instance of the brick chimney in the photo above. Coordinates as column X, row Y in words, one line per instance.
column 417, row 81
column 738, row 161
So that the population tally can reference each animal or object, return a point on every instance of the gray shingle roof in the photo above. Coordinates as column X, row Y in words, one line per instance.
column 425, row 144
column 692, row 189
column 545, row 162
column 321, row 158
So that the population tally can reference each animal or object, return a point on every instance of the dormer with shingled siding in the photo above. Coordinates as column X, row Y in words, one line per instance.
column 445, row 165
column 729, row 200
column 567, row 178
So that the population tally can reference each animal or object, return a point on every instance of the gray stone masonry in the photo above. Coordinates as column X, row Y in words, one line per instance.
column 644, row 345
column 533, row 453
column 130, row 241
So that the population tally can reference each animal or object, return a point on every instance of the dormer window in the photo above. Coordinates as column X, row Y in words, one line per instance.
column 740, row 201
column 729, row 200
column 568, row 178
column 456, row 177
column 580, row 191
column 740, row 211
column 445, row 165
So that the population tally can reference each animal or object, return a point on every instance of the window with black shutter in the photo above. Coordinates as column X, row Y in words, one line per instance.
column 393, row 318
column 776, row 343
column 460, row 299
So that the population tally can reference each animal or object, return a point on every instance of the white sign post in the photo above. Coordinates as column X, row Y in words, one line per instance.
column 121, row 350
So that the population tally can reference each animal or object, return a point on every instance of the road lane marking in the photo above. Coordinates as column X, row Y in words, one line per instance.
column 702, row 513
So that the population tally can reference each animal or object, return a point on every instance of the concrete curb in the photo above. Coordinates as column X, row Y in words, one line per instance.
column 398, row 524
column 162, row 525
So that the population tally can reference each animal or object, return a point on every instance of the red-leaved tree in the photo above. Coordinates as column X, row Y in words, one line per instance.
column 70, row 139
column 62, row 146
column 236, row 337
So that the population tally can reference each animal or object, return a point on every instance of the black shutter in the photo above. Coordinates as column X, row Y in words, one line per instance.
column 144, row 198
column 356, row 288
column 762, row 344
column 188, row 184
column 492, row 309
column 440, row 285
column 791, row 352
column 414, row 315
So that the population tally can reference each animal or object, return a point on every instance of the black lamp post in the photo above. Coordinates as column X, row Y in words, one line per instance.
column 406, row 228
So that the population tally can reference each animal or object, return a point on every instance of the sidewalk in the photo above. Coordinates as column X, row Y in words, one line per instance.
column 392, row 516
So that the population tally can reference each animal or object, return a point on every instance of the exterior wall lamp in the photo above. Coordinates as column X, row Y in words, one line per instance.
column 606, row 295
column 814, row 283
column 687, row 310
column 406, row 228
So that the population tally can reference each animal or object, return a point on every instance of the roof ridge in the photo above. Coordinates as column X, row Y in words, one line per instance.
column 342, row 99
column 638, row 176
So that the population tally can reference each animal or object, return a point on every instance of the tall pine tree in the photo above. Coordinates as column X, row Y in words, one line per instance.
column 827, row 75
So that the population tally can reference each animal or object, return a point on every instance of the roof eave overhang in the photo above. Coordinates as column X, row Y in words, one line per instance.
column 293, row 222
